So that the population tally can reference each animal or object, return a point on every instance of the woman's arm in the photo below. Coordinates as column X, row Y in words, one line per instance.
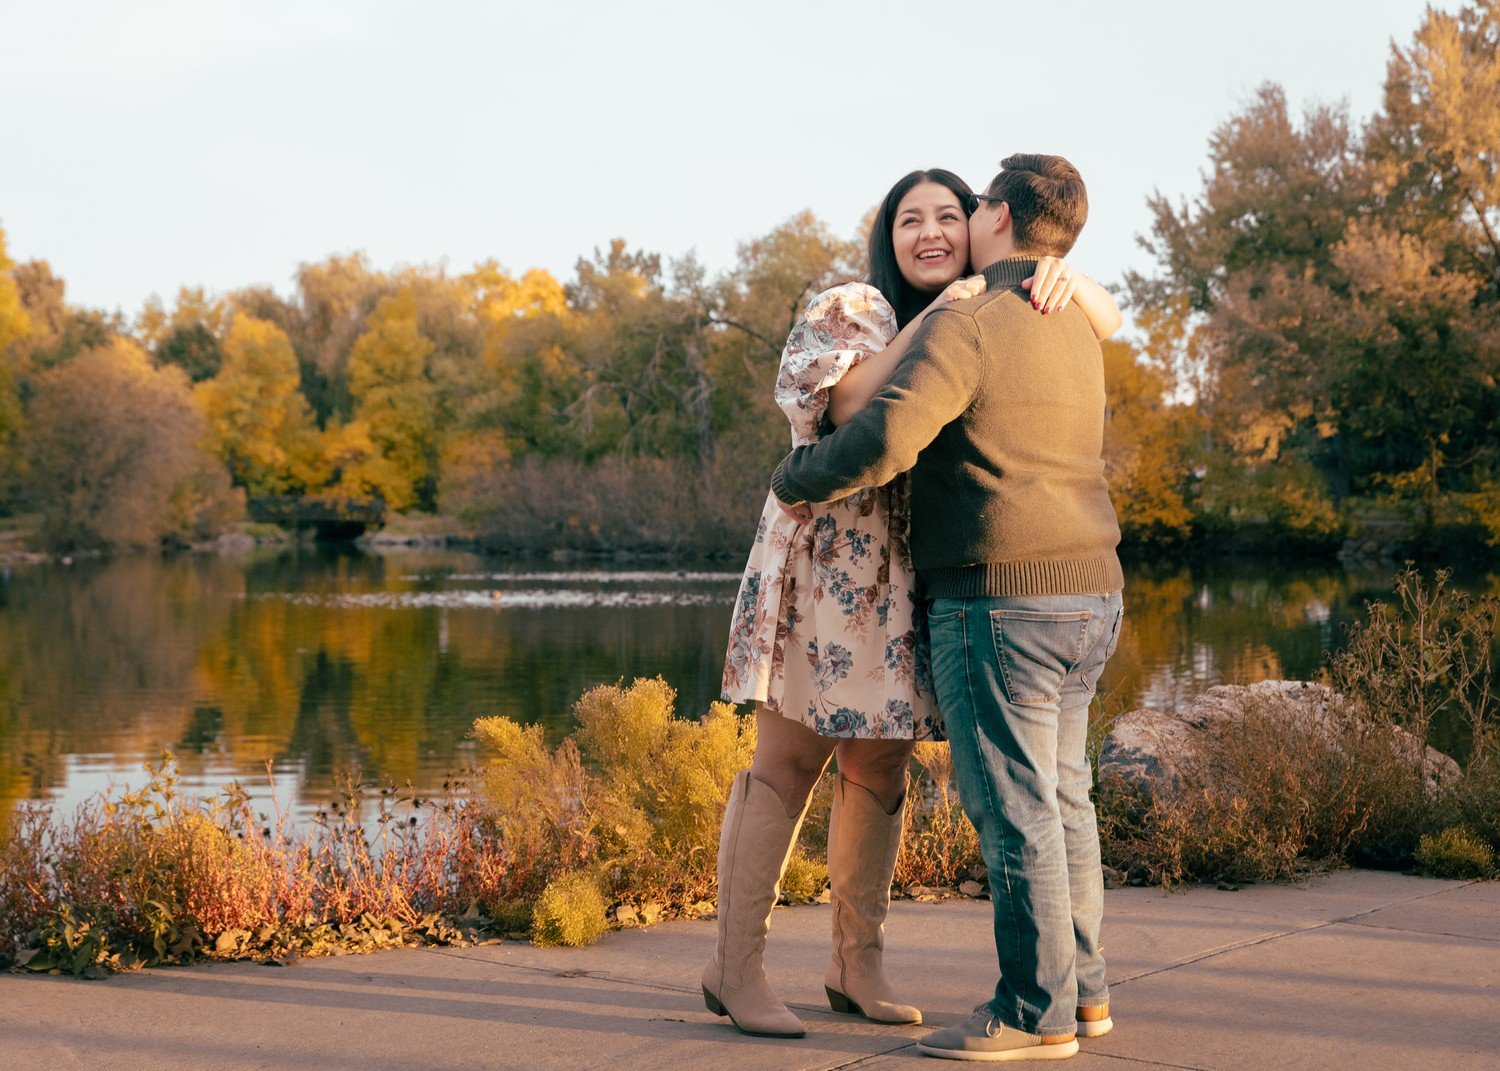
column 862, row 382
column 1055, row 284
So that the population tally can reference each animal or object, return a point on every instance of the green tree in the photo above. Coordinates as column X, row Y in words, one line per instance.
column 188, row 336
column 333, row 297
column 755, row 307
column 1333, row 293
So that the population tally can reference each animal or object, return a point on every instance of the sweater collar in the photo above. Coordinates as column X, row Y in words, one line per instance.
column 1009, row 273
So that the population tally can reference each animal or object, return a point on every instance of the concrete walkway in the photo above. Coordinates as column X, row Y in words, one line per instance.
column 1361, row 970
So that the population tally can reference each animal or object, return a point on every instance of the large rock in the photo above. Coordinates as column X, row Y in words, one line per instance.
column 1146, row 749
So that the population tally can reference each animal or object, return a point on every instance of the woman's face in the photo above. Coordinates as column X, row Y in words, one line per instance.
column 931, row 236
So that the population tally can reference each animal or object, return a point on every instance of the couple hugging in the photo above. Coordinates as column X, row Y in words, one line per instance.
column 936, row 560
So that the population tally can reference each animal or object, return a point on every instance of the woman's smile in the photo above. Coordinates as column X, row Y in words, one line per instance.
column 930, row 237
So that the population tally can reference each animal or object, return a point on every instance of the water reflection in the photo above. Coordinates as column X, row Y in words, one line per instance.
column 316, row 663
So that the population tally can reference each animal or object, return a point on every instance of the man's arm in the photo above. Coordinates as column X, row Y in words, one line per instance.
column 930, row 388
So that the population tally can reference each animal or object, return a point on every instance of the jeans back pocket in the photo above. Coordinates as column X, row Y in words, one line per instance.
column 1036, row 650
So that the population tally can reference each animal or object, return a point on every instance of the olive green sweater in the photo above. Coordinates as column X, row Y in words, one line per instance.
column 998, row 411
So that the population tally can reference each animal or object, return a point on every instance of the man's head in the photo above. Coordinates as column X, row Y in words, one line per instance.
column 1036, row 206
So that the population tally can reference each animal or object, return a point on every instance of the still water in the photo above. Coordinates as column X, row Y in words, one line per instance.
column 288, row 669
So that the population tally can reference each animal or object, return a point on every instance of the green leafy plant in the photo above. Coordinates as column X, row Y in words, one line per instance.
column 1456, row 852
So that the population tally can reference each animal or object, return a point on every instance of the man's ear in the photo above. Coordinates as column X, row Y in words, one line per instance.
column 1002, row 219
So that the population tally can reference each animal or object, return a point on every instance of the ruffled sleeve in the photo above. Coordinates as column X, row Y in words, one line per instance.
column 840, row 328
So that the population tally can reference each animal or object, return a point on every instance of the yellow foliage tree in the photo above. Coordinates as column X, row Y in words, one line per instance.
column 258, row 421
column 1146, row 445
column 14, row 325
column 394, row 404
column 355, row 464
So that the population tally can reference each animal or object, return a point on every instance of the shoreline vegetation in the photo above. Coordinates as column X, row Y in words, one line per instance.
column 1382, row 544
column 617, row 824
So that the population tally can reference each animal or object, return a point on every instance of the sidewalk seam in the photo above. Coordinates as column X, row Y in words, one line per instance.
column 1269, row 937
column 1428, row 933
column 1138, row 1060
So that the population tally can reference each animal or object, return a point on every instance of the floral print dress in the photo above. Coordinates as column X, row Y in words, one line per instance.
column 827, row 627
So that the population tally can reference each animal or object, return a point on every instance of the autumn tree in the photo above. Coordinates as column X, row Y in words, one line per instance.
column 393, row 409
column 58, row 330
column 756, row 305
column 113, row 452
column 14, row 326
column 1149, row 446
column 188, row 336
column 334, row 297
column 259, row 424
column 1336, row 288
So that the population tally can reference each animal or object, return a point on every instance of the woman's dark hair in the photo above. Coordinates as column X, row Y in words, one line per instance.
column 885, row 274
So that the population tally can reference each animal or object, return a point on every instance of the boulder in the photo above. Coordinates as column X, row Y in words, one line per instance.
column 1145, row 749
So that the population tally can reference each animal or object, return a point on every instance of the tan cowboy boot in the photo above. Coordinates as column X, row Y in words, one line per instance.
column 862, row 845
column 754, row 845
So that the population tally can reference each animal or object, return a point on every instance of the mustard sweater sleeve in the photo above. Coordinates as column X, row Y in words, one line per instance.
column 931, row 386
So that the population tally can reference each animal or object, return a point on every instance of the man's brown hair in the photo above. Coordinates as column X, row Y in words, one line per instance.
column 1048, row 202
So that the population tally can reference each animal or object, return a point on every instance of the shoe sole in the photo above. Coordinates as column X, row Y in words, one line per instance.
column 840, row 1003
column 1030, row 1052
column 1096, row 1029
column 717, row 1007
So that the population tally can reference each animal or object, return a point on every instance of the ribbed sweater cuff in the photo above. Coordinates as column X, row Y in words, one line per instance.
column 1083, row 576
column 781, row 490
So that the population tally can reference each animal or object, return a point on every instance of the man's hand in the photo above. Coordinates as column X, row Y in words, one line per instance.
column 801, row 512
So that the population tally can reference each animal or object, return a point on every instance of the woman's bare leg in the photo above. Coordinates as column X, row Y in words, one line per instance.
column 877, row 765
column 789, row 757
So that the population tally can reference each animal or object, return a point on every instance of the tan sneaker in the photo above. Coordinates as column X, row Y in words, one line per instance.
column 982, row 1037
column 1094, row 1022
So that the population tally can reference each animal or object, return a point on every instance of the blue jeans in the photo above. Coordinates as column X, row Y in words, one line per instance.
column 1014, row 678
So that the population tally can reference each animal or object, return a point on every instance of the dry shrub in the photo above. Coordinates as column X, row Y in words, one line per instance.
column 1274, row 794
column 939, row 846
column 651, row 504
column 1429, row 658
column 635, row 794
column 1281, row 792
column 153, row 877
column 1426, row 658
column 24, row 877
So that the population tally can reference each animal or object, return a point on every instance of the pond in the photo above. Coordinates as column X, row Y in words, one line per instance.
column 289, row 669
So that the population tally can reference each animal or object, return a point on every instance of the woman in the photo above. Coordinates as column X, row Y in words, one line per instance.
column 827, row 638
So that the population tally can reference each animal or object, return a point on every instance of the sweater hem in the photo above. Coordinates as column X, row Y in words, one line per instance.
column 1081, row 576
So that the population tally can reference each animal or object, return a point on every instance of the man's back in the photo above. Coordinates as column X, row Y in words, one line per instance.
column 1010, row 497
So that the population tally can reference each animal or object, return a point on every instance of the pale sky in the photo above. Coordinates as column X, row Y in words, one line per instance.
column 148, row 144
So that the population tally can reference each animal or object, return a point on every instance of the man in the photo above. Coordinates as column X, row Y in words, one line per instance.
column 999, row 413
